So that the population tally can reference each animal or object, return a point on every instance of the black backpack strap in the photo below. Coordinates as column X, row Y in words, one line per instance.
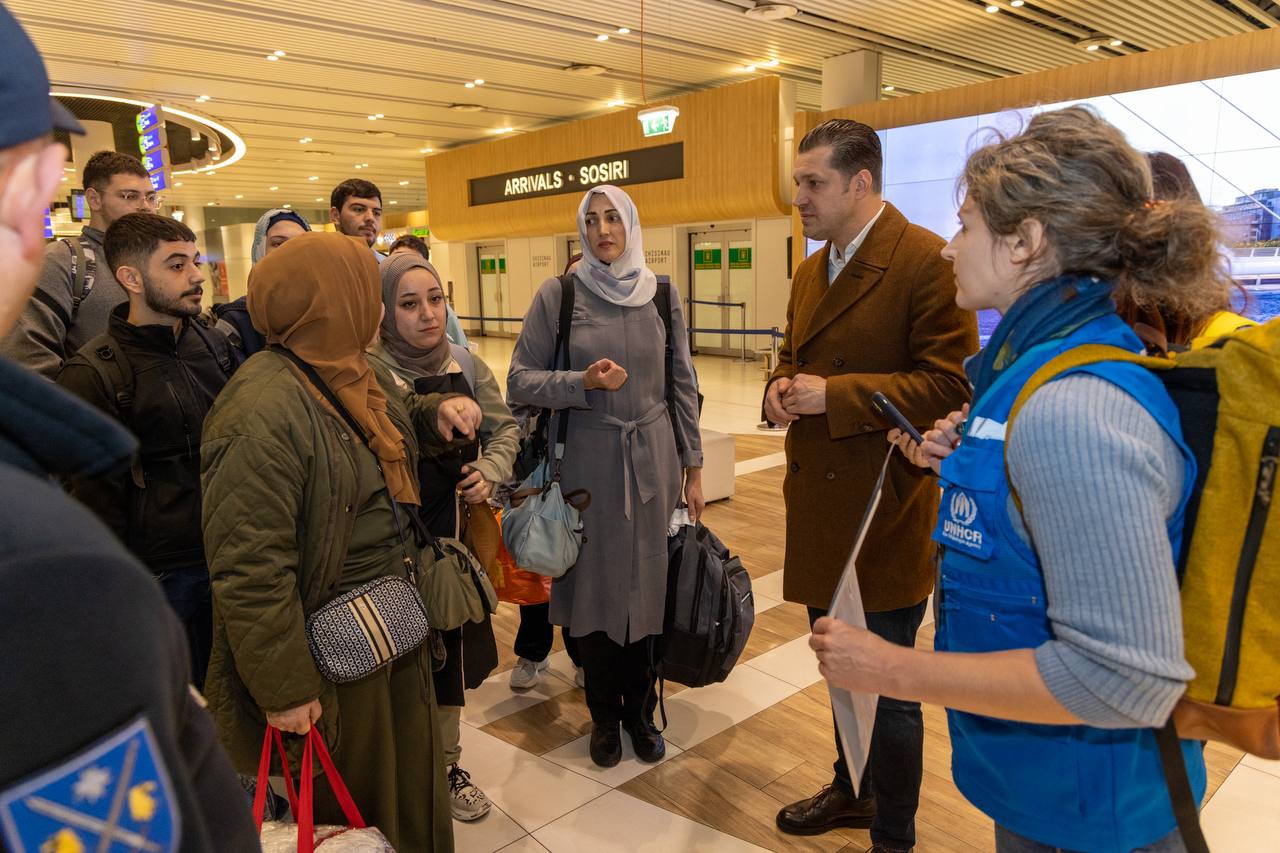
column 1185, row 808
column 84, row 270
column 560, row 359
column 218, row 347
column 113, row 368
column 662, row 301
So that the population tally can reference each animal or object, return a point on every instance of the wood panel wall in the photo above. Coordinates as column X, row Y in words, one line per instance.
column 1223, row 57
column 730, row 137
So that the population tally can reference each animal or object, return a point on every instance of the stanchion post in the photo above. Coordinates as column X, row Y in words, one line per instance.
column 773, row 338
column 743, row 306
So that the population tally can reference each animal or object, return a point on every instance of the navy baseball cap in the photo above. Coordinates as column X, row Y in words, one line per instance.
column 26, row 110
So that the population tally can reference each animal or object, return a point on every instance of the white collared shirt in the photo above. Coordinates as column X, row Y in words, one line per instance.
column 836, row 259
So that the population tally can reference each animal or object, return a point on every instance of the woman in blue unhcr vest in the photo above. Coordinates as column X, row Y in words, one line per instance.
column 1059, row 634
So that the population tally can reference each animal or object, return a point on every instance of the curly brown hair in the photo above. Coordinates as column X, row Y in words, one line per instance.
column 1074, row 173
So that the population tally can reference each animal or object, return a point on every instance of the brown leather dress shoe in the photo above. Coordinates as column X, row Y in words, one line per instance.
column 829, row 809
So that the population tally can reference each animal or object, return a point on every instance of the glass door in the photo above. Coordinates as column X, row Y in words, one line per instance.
column 494, row 295
column 723, row 285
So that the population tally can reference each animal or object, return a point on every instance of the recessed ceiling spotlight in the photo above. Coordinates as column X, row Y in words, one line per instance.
column 992, row 9
column 202, row 99
column 1017, row 4
column 1117, row 42
column 278, row 52
column 393, row 201
column 602, row 37
column 240, row 196
column 357, row 166
column 616, row 103
column 771, row 11
column 888, row 88
column 319, row 198
column 304, row 140
column 271, row 57
column 1093, row 42
column 425, row 150
column 286, row 206
column 466, row 108
column 469, row 85
column 273, row 189
column 479, row 81
column 177, row 183
column 366, row 165
column 212, row 203
column 373, row 118
column 64, row 180
column 1091, row 47
column 622, row 31
column 378, row 115
column 585, row 70
column 773, row 63
column 748, row 68
column 313, row 178
column 404, row 183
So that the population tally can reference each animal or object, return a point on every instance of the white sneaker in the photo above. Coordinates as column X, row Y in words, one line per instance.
column 467, row 802
column 579, row 677
column 525, row 674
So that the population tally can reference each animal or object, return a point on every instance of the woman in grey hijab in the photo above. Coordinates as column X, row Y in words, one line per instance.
column 622, row 448
column 274, row 228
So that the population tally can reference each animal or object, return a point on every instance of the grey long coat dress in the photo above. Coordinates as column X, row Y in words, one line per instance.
column 620, row 447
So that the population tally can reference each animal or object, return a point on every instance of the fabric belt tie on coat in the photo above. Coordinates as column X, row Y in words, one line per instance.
column 637, row 452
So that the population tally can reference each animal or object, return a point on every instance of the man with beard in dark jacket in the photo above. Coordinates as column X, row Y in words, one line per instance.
column 157, row 371
column 103, row 744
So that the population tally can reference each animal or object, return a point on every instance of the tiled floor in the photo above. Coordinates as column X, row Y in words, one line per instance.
column 740, row 750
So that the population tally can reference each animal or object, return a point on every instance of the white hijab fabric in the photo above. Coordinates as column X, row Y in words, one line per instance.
column 627, row 281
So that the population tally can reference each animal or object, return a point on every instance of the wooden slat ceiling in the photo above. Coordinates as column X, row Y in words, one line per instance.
column 409, row 60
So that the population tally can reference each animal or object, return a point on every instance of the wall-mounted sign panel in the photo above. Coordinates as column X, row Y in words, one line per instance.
column 644, row 165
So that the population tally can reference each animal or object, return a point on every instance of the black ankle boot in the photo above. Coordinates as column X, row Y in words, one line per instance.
column 606, row 744
column 647, row 741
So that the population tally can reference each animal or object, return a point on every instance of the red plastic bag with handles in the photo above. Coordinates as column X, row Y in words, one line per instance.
column 305, row 836
column 520, row 586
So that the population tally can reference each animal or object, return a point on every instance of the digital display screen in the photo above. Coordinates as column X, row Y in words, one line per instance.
column 153, row 162
column 149, row 142
column 158, row 182
column 79, row 210
column 148, row 119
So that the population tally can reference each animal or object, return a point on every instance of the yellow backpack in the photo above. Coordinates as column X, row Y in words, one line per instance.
column 1228, row 398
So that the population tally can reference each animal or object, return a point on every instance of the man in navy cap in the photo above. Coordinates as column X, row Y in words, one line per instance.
column 103, row 744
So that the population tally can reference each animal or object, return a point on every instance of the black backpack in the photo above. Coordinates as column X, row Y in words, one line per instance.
column 710, row 610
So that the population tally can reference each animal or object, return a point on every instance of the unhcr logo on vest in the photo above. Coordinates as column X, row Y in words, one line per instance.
column 958, row 528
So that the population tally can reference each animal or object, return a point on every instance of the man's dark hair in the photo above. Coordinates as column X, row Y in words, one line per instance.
column 854, row 147
column 133, row 237
column 1170, row 177
column 103, row 165
column 353, row 187
column 413, row 242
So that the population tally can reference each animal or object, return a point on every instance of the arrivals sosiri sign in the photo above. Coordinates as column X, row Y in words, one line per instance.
column 644, row 165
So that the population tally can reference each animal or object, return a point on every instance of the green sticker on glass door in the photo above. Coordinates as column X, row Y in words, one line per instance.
column 707, row 259
column 488, row 266
column 740, row 259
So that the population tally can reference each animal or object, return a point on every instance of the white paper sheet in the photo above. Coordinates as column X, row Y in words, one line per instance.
column 855, row 713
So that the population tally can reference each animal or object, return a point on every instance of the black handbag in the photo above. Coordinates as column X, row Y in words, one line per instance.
column 363, row 630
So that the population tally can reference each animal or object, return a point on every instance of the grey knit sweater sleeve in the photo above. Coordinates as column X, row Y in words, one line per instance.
column 1099, row 480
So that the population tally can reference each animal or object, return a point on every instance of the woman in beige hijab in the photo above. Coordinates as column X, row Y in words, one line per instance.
column 299, row 510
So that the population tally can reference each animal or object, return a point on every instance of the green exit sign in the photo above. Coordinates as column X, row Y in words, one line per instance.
column 658, row 121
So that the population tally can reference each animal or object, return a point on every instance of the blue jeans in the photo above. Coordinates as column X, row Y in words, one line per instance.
column 188, row 594
column 896, row 763
column 1010, row 842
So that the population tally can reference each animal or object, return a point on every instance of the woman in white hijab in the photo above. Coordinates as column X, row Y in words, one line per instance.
column 632, row 443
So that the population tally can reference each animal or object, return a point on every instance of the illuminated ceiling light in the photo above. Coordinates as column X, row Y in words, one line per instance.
column 404, row 183
column 313, row 178
column 202, row 99
column 656, row 121
column 393, row 201
column 425, row 150
column 273, row 189
column 748, row 68
column 240, row 196
column 622, row 31
column 366, row 165
column 1091, row 47
column 1017, row 4
column 68, row 168
column 64, row 180
column 195, row 135
column 373, row 118
column 237, row 141
column 602, row 37
column 773, row 63
column 992, row 9
column 286, row 206
column 771, row 11
column 888, row 88
column 319, row 198
column 616, row 103
column 469, row 85
column 1117, row 42
column 378, row 115
column 177, row 183
column 272, row 58
column 466, row 108
column 479, row 81
column 278, row 53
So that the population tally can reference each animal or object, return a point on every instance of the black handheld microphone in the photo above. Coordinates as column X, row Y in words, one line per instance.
column 890, row 413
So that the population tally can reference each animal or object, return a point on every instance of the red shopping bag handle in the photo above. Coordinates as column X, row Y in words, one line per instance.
column 340, row 792
column 264, row 776
column 306, row 811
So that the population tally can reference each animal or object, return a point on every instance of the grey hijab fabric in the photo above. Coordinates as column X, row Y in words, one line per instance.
column 421, row 362
column 264, row 222
column 627, row 281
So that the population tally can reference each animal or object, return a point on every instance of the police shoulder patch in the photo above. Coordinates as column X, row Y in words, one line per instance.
column 113, row 796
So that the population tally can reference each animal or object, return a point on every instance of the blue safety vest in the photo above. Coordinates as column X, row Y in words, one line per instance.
column 1075, row 787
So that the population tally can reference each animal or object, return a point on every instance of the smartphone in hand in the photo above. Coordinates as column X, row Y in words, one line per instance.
column 890, row 413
